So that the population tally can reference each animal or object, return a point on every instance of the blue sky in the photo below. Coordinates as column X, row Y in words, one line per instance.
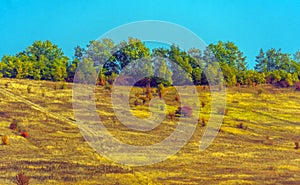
column 251, row 24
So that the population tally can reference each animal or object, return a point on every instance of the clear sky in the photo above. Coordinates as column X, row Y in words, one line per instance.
column 251, row 24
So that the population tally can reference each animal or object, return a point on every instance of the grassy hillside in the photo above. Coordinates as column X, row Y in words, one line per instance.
column 56, row 153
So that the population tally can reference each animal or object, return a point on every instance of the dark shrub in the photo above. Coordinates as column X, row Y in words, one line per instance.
column 136, row 102
column 14, row 125
column 63, row 86
column 297, row 87
column 171, row 116
column 29, row 89
column 259, row 91
column 184, row 111
column 242, row 126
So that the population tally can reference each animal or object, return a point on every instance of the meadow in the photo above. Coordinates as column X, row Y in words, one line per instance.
column 56, row 153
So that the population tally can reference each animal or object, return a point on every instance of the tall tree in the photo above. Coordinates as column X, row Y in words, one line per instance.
column 261, row 62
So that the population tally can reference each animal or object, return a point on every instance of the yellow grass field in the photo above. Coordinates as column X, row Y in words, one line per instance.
column 56, row 152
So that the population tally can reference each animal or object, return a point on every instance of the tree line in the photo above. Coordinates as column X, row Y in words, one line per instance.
column 104, row 60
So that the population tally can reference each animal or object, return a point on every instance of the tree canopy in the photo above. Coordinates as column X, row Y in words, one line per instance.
column 103, row 60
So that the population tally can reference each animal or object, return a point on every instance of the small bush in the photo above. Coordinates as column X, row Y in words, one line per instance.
column 203, row 122
column 144, row 99
column 241, row 126
column 63, row 86
column 259, row 91
column 29, row 89
column 223, row 111
column 226, row 112
column 235, row 101
column 177, row 98
column 148, row 87
column 296, row 145
column 4, row 140
column 14, row 125
column 184, row 111
column 297, row 87
column 25, row 134
column 161, row 90
column 102, row 81
column 268, row 141
column 4, row 114
column 43, row 93
column 203, row 104
column 7, row 85
column 108, row 87
column 171, row 116
column 22, row 179
column 149, row 95
column 136, row 102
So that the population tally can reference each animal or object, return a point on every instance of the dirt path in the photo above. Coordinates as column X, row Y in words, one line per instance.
column 39, row 108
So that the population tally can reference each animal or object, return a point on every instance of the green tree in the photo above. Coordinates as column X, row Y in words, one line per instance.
column 86, row 72
column 164, row 72
column 261, row 62
column 71, row 69
column 124, row 53
column 46, row 57
column 229, row 56
column 99, row 51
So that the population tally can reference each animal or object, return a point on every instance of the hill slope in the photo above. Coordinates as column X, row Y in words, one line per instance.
column 56, row 153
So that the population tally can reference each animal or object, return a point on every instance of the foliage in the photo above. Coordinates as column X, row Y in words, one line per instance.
column 103, row 60
column 40, row 61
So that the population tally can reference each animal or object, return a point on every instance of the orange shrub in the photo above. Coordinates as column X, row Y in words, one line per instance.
column 5, row 140
column 25, row 134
